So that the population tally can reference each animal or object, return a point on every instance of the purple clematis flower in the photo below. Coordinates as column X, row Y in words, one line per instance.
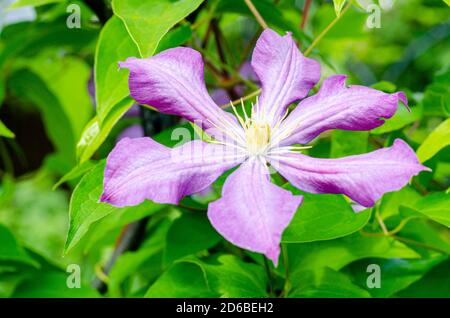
column 253, row 212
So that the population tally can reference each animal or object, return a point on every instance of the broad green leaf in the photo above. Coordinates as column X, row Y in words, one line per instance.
column 5, row 132
column 323, row 217
column 85, row 209
column 435, row 284
column 34, row 3
column 11, row 252
column 391, row 201
column 343, row 251
column 189, row 234
column 325, row 283
column 347, row 143
column 437, row 140
column 402, row 118
column 385, row 86
column 436, row 206
column 182, row 279
column 52, row 285
column 232, row 277
column 148, row 21
column 396, row 274
column 76, row 172
column 30, row 87
column 338, row 5
column 67, row 78
column 114, row 222
column 95, row 133
column 174, row 38
column 427, row 236
column 111, row 84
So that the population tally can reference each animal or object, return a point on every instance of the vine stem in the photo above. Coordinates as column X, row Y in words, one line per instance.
column 328, row 28
column 255, row 12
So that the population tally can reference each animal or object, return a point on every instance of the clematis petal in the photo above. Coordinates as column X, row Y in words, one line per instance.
column 140, row 168
column 253, row 212
column 336, row 106
column 363, row 178
column 173, row 82
column 286, row 75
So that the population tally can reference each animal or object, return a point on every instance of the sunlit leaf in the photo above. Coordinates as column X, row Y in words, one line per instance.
column 5, row 132
column 85, row 208
column 148, row 21
column 323, row 217
column 437, row 140
column 189, row 234
column 111, row 84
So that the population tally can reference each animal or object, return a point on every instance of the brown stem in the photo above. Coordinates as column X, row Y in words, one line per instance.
column 305, row 13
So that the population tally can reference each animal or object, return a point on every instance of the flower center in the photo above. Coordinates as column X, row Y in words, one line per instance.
column 257, row 135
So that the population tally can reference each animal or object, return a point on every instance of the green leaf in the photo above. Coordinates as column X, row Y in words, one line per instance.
column 52, row 285
column 437, row 140
column 181, row 280
column 436, row 206
column 232, row 277
column 148, row 21
column 391, row 201
column 428, row 237
column 111, row 84
column 5, row 132
column 323, row 217
column 436, row 284
column 95, row 133
column 402, row 118
column 174, row 38
column 338, row 5
column 76, row 172
column 189, row 234
column 67, row 78
column 347, row 143
column 34, row 3
column 396, row 274
column 325, row 283
column 343, row 251
column 11, row 252
column 385, row 86
column 85, row 209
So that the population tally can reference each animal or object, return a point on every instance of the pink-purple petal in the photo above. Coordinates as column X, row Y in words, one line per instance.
column 285, row 74
column 140, row 168
column 173, row 82
column 363, row 178
column 253, row 212
column 337, row 106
